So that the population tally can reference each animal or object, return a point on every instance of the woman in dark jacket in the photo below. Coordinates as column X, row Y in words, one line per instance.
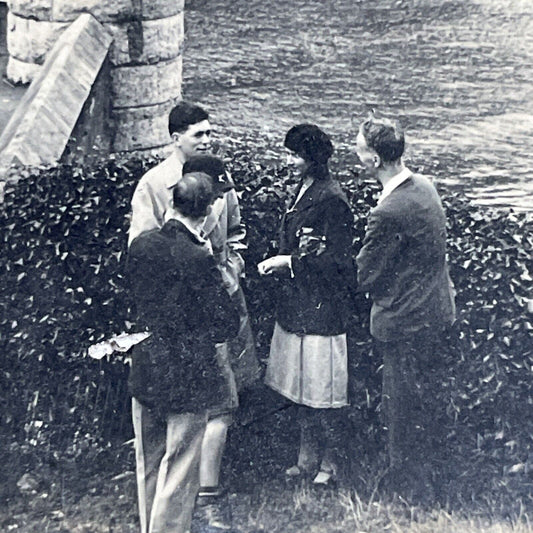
column 308, row 354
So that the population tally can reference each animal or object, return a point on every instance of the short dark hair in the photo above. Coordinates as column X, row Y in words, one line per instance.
column 193, row 194
column 385, row 137
column 213, row 167
column 210, row 164
column 310, row 142
column 183, row 115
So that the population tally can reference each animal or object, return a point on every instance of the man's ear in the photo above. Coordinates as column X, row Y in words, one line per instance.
column 377, row 161
column 176, row 138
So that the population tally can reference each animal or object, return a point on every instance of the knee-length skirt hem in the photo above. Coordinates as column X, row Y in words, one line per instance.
column 310, row 370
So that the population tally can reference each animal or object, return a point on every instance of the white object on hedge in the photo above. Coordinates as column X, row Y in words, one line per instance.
column 117, row 343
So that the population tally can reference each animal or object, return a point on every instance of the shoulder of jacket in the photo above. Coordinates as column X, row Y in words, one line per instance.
column 147, row 240
column 154, row 176
column 392, row 208
column 335, row 197
column 186, row 246
column 424, row 181
column 330, row 191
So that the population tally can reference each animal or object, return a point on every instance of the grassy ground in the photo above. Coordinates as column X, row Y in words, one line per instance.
column 109, row 505
column 97, row 493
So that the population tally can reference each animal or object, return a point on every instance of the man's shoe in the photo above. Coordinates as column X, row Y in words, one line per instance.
column 327, row 474
column 213, row 513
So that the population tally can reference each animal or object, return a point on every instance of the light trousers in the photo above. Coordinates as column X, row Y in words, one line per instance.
column 168, row 468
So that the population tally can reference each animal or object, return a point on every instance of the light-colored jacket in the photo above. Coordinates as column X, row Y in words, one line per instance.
column 223, row 227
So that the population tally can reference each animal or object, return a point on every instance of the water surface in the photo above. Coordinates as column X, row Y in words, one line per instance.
column 457, row 74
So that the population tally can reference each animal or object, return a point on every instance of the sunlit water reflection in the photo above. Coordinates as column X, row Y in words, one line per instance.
column 458, row 75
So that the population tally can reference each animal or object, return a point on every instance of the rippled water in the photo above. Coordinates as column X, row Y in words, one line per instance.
column 457, row 74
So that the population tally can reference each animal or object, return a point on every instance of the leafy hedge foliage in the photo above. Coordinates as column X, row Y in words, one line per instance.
column 63, row 234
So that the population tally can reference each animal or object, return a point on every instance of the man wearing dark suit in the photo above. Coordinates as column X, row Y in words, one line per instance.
column 176, row 376
column 402, row 264
column 190, row 131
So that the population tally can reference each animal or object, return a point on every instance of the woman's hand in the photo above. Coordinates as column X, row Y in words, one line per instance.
column 273, row 264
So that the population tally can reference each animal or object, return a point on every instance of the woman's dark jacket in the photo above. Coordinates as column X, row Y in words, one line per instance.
column 181, row 299
column 317, row 233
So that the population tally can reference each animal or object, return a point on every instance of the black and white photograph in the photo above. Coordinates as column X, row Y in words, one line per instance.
column 266, row 267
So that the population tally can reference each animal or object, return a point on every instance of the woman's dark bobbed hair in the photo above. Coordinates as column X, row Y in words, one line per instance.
column 313, row 145
column 309, row 142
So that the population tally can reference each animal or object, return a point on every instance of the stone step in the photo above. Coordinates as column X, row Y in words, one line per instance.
column 40, row 128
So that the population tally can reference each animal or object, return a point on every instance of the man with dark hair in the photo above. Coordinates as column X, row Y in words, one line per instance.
column 185, row 114
column 175, row 376
column 190, row 131
column 402, row 264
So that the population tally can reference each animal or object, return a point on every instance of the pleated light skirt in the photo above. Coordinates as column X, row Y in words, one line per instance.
column 310, row 370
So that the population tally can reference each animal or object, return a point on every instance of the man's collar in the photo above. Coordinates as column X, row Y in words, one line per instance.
column 394, row 182
column 172, row 216
column 175, row 161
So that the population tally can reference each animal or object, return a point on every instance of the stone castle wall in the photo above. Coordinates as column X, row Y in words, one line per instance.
column 145, row 57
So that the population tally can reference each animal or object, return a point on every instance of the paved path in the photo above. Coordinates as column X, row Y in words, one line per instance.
column 458, row 73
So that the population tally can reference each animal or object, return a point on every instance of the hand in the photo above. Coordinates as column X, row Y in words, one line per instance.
column 273, row 264
column 231, row 284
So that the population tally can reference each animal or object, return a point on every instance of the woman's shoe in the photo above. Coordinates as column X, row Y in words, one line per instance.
column 298, row 471
column 294, row 471
column 327, row 475
column 324, row 479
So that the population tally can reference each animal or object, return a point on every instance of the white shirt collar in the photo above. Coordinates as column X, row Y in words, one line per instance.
column 172, row 214
column 394, row 182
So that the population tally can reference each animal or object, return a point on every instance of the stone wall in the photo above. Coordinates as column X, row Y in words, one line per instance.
column 145, row 58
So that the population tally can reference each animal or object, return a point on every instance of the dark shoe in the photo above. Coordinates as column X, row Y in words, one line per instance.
column 411, row 484
column 212, row 513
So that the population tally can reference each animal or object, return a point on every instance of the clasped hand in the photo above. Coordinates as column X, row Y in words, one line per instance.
column 274, row 264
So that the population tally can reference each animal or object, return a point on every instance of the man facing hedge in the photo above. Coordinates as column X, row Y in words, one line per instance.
column 176, row 374
column 402, row 264
column 190, row 131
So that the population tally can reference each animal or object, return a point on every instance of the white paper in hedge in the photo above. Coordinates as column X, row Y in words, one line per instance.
column 117, row 343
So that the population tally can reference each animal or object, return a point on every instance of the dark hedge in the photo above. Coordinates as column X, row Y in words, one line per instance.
column 63, row 232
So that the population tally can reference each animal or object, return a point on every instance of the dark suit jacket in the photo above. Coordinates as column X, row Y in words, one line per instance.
column 317, row 232
column 402, row 263
column 181, row 299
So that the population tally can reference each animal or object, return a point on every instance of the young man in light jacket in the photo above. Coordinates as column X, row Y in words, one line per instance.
column 190, row 131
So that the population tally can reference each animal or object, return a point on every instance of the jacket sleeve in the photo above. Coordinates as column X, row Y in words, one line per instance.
column 222, row 312
column 144, row 216
column 146, row 274
column 326, row 249
column 236, row 235
column 377, row 257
